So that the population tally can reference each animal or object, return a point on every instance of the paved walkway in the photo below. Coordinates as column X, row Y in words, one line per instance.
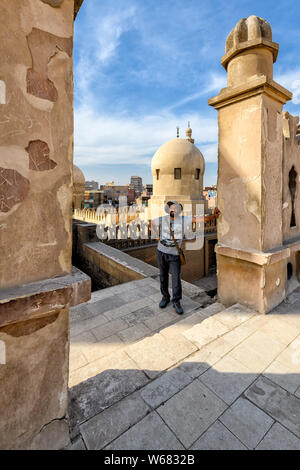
column 208, row 283
column 143, row 378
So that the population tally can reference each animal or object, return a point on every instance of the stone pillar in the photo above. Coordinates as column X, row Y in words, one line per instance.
column 251, row 258
column 37, row 282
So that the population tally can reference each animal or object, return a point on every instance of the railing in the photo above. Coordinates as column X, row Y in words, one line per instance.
column 129, row 235
column 109, row 216
column 92, row 216
column 210, row 226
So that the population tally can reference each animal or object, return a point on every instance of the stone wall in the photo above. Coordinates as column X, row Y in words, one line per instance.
column 291, row 156
column 37, row 283
column 108, row 266
column 36, row 154
column 193, row 270
column 34, row 331
column 100, row 268
column 254, row 164
column 34, row 382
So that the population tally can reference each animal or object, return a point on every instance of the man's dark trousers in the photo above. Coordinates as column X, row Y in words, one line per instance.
column 165, row 263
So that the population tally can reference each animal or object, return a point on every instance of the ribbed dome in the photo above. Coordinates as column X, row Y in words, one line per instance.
column 248, row 29
column 178, row 153
column 78, row 176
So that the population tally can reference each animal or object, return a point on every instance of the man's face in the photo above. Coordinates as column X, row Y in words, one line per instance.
column 173, row 210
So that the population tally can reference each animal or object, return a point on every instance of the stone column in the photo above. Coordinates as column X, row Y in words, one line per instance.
column 251, row 258
column 37, row 282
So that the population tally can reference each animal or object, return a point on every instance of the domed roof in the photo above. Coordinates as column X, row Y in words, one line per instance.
column 178, row 153
column 78, row 176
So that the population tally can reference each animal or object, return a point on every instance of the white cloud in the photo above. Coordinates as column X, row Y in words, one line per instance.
column 109, row 32
column 291, row 81
column 161, row 56
column 106, row 139
column 99, row 43
column 216, row 83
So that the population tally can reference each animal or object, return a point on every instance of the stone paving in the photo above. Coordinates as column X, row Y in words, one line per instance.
column 208, row 283
column 214, row 378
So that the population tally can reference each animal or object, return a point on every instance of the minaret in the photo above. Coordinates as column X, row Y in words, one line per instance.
column 189, row 134
column 251, row 259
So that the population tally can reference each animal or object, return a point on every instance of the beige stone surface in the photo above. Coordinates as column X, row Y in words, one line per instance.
column 238, row 334
column 134, row 333
column 291, row 158
column 53, row 436
column 257, row 351
column 97, row 350
column 36, row 223
column 209, row 330
column 78, row 188
column 227, row 368
column 183, row 154
column 256, row 154
column 152, row 355
column 189, row 413
column 116, row 360
column 228, row 379
column 234, row 316
column 34, row 379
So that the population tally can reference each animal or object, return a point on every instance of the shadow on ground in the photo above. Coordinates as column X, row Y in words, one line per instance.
column 193, row 406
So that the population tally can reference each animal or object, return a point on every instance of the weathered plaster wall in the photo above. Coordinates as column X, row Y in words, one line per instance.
column 259, row 287
column 36, row 136
column 271, row 173
column 107, row 266
column 33, row 389
column 239, row 174
column 36, row 160
column 251, row 258
column 108, row 269
column 291, row 158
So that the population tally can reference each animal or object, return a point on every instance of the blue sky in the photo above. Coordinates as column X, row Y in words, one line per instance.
column 142, row 67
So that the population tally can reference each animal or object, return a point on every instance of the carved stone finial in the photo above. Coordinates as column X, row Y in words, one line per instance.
column 189, row 134
column 249, row 33
column 248, row 29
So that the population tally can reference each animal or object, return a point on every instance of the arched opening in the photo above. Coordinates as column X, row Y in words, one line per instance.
column 289, row 269
column 292, row 187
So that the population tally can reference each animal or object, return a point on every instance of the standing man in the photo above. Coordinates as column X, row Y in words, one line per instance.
column 168, row 258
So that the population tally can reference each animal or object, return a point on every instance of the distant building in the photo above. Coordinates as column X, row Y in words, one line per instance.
column 112, row 192
column 93, row 199
column 136, row 182
column 131, row 195
column 91, row 185
column 149, row 189
column 210, row 194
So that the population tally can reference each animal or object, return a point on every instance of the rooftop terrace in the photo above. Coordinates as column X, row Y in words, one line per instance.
column 216, row 378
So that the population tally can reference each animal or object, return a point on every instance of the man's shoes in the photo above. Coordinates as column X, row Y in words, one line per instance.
column 178, row 308
column 163, row 303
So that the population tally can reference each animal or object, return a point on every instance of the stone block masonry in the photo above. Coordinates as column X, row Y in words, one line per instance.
column 37, row 284
column 257, row 170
